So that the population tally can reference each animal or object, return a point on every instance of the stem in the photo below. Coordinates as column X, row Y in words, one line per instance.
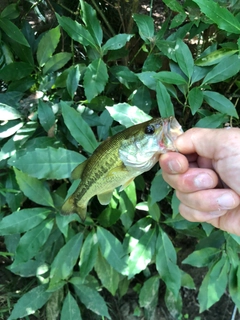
column 103, row 17
column 151, row 7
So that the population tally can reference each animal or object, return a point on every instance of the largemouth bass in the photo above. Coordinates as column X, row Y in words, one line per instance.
column 119, row 159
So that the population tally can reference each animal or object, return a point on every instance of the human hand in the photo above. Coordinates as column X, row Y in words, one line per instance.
column 212, row 162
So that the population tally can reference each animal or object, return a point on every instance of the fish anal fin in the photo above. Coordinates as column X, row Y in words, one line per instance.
column 126, row 184
column 105, row 198
column 77, row 172
column 69, row 207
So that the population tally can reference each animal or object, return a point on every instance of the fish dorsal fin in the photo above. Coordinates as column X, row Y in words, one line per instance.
column 77, row 172
column 105, row 198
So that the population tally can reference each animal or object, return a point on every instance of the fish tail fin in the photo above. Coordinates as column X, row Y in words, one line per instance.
column 70, row 207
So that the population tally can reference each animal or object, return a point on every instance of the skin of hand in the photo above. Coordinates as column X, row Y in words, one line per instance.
column 206, row 176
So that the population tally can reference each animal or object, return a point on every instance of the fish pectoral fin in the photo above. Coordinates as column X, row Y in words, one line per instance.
column 126, row 184
column 105, row 198
column 77, row 172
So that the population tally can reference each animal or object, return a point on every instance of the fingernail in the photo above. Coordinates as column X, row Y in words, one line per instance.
column 203, row 180
column 175, row 166
column 226, row 201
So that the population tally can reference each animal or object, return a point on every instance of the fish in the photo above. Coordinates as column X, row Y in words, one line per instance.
column 119, row 159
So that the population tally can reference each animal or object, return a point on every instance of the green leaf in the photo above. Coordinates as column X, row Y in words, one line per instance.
column 95, row 78
column 15, row 71
column 170, row 77
column 178, row 20
column 32, row 240
column 234, row 284
column 116, row 42
column 148, row 296
column 112, row 250
column 79, row 129
column 31, row 268
column 220, row 103
column 152, row 63
column 63, row 222
column 47, row 45
column 109, row 277
column 88, row 254
column 56, row 62
column 23, row 220
column 12, row 31
column 45, row 115
column 8, row 113
column 32, row 188
column 213, row 121
column 14, row 199
column 65, row 260
column 214, row 284
column 214, row 57
column 73, row 80
column 166, row 263
column 148, row 79
column 10, row 12
column 224, row 19
column 145, row 26
column 92, row 300
column 159, row 189
column 142, row 253
column 127, row 115
column 195, row 99
column 202, row 257
column 174, row 5
column 164, row 102
column 142, row 98
column 76, row 31
column 184, row 58
column 48, row 163
column 70, row 309
column 92, row 24
column 30, row 302
column 9, row 128
column 225, row 69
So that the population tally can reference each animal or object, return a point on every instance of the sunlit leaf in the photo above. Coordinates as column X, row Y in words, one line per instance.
column 8, row 113
column 202, row 257
column 148, row 297
column 88, row 254
column 116, row 42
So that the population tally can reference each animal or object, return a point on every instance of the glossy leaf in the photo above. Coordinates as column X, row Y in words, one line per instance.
column 214, row 121
column 170, row 77
column 12, row 31
column 56, row 62
column 64, row 221
column 91, row 22
column 45, row 115
column 214, row 57
column 32, row 188
column 70, row 309
column 148, row 297
column 112, row 250
column 202, row 257
column 142, row 253
column 23, row 220
column 184, row 58
column 47, row 45
column 8, row 113
column 174, row 5
column 30, row 302
column 214, row 284
column 108, row 276
column 10, row 12
column 148, row 79
column 76, row 31
column 95, row 78
column 224, row 19
column 220, row 103
column 234, row 284
column 116, row 42
column 15, row 71
column 166, row 260
column 66, row 258
column 29, row 268
column 164, row 102
column 127, row 115
column 48, row 163
column 79, row 128
column 195, row 99
column 32, row 240
column 73, row 80
column 14, row 199
column 223, row 70
column 159, row 189
column 88, row 255
column 145, row 26
column 92, row 300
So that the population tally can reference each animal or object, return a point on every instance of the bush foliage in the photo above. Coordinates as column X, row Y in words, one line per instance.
column 68, row 88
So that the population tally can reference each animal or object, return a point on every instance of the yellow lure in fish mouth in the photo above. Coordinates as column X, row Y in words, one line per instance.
column 119, row 159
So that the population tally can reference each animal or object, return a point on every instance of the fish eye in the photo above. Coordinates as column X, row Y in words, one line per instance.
column 150, row 129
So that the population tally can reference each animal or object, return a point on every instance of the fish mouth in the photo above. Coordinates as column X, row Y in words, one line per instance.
column 171, row 130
